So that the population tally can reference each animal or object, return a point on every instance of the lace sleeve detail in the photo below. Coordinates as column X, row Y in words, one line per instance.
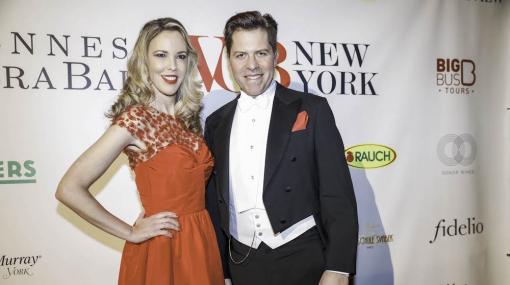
column 133, row 120
column 156, row 130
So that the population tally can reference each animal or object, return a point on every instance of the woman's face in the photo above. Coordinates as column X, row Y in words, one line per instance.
column 167, row 62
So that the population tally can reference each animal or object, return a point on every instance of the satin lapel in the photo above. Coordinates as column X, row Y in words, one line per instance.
column 222, row 142
column 283, row 115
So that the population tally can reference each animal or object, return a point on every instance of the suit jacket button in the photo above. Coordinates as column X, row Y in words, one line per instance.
column 293, row 159
column 220, row 201
column 288, row 189
column 283, row 221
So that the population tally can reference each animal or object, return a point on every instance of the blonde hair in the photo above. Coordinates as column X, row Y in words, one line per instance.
column 137, row 87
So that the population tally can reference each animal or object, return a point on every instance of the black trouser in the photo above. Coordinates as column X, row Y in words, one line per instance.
column 298, row 262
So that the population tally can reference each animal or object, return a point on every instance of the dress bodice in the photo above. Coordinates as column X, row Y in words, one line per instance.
column 172, row 171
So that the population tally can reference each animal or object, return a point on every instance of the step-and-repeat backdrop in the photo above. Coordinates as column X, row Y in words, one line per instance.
column 419, row 90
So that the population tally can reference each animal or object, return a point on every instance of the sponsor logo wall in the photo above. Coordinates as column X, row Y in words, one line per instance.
column 415, row 86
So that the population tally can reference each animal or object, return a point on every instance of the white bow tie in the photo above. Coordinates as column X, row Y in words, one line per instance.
column 246, row 102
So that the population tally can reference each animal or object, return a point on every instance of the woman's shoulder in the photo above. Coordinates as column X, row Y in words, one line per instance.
column 136, row 113
column 135, row 110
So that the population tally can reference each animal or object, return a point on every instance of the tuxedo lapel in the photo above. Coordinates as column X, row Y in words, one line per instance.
column 222, row 145
column 283, row 115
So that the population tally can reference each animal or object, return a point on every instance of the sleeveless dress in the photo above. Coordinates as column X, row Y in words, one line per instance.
column 171, row 176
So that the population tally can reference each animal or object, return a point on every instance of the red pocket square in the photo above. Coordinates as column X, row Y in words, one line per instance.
column 301, row 121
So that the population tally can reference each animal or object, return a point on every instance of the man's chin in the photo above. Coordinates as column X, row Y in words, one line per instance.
column 253, row 94
column 253, row 91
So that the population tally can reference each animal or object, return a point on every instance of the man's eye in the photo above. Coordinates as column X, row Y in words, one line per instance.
column 240, row 55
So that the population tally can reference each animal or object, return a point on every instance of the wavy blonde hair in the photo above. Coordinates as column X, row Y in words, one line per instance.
column 137, row 88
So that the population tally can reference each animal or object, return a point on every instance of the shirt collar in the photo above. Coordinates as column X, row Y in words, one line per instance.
column 262, row 101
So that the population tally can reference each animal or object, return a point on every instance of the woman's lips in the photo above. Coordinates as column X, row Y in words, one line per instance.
column 170, row 79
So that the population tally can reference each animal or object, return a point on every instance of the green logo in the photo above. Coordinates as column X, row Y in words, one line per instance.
column 369, row 155
column 17, row 172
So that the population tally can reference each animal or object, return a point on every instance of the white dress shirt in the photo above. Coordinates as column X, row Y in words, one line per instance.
column 249, row 222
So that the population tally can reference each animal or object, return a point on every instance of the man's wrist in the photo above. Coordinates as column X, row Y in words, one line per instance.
column 339, row 272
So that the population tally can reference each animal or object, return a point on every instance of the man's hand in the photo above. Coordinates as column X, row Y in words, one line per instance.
column 334, row 278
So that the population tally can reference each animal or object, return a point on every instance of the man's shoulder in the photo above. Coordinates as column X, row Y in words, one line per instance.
column 219, row 113
column 306, row 97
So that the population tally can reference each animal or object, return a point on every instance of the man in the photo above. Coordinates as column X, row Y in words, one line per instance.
column 281, row 191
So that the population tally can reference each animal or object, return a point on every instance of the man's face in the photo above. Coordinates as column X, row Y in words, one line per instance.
column 252, row 60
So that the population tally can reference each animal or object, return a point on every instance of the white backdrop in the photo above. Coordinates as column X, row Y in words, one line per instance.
column 419, row 90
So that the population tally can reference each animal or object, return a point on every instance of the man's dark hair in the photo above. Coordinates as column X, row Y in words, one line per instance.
column 251, row 20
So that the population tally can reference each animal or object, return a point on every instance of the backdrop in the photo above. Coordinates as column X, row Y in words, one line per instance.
column 419, row 90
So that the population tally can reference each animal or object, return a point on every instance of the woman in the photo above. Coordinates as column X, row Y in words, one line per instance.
column 155, row 121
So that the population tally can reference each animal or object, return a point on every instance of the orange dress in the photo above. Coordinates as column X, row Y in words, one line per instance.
column 170, row 176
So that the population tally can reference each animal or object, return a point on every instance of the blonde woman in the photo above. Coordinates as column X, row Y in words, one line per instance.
column 155, row 121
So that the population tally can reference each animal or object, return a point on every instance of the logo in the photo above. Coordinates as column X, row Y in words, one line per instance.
column 331, row 68
column 455, row 76
column 370, row 155
column 77, row 55
column 372, row 235
column 455, row 150
column 325, row 68
column 456, row 228
column 18, row 266
column 17, row 172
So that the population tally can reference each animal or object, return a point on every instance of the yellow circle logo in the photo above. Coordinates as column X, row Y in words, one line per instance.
column 369, row 155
